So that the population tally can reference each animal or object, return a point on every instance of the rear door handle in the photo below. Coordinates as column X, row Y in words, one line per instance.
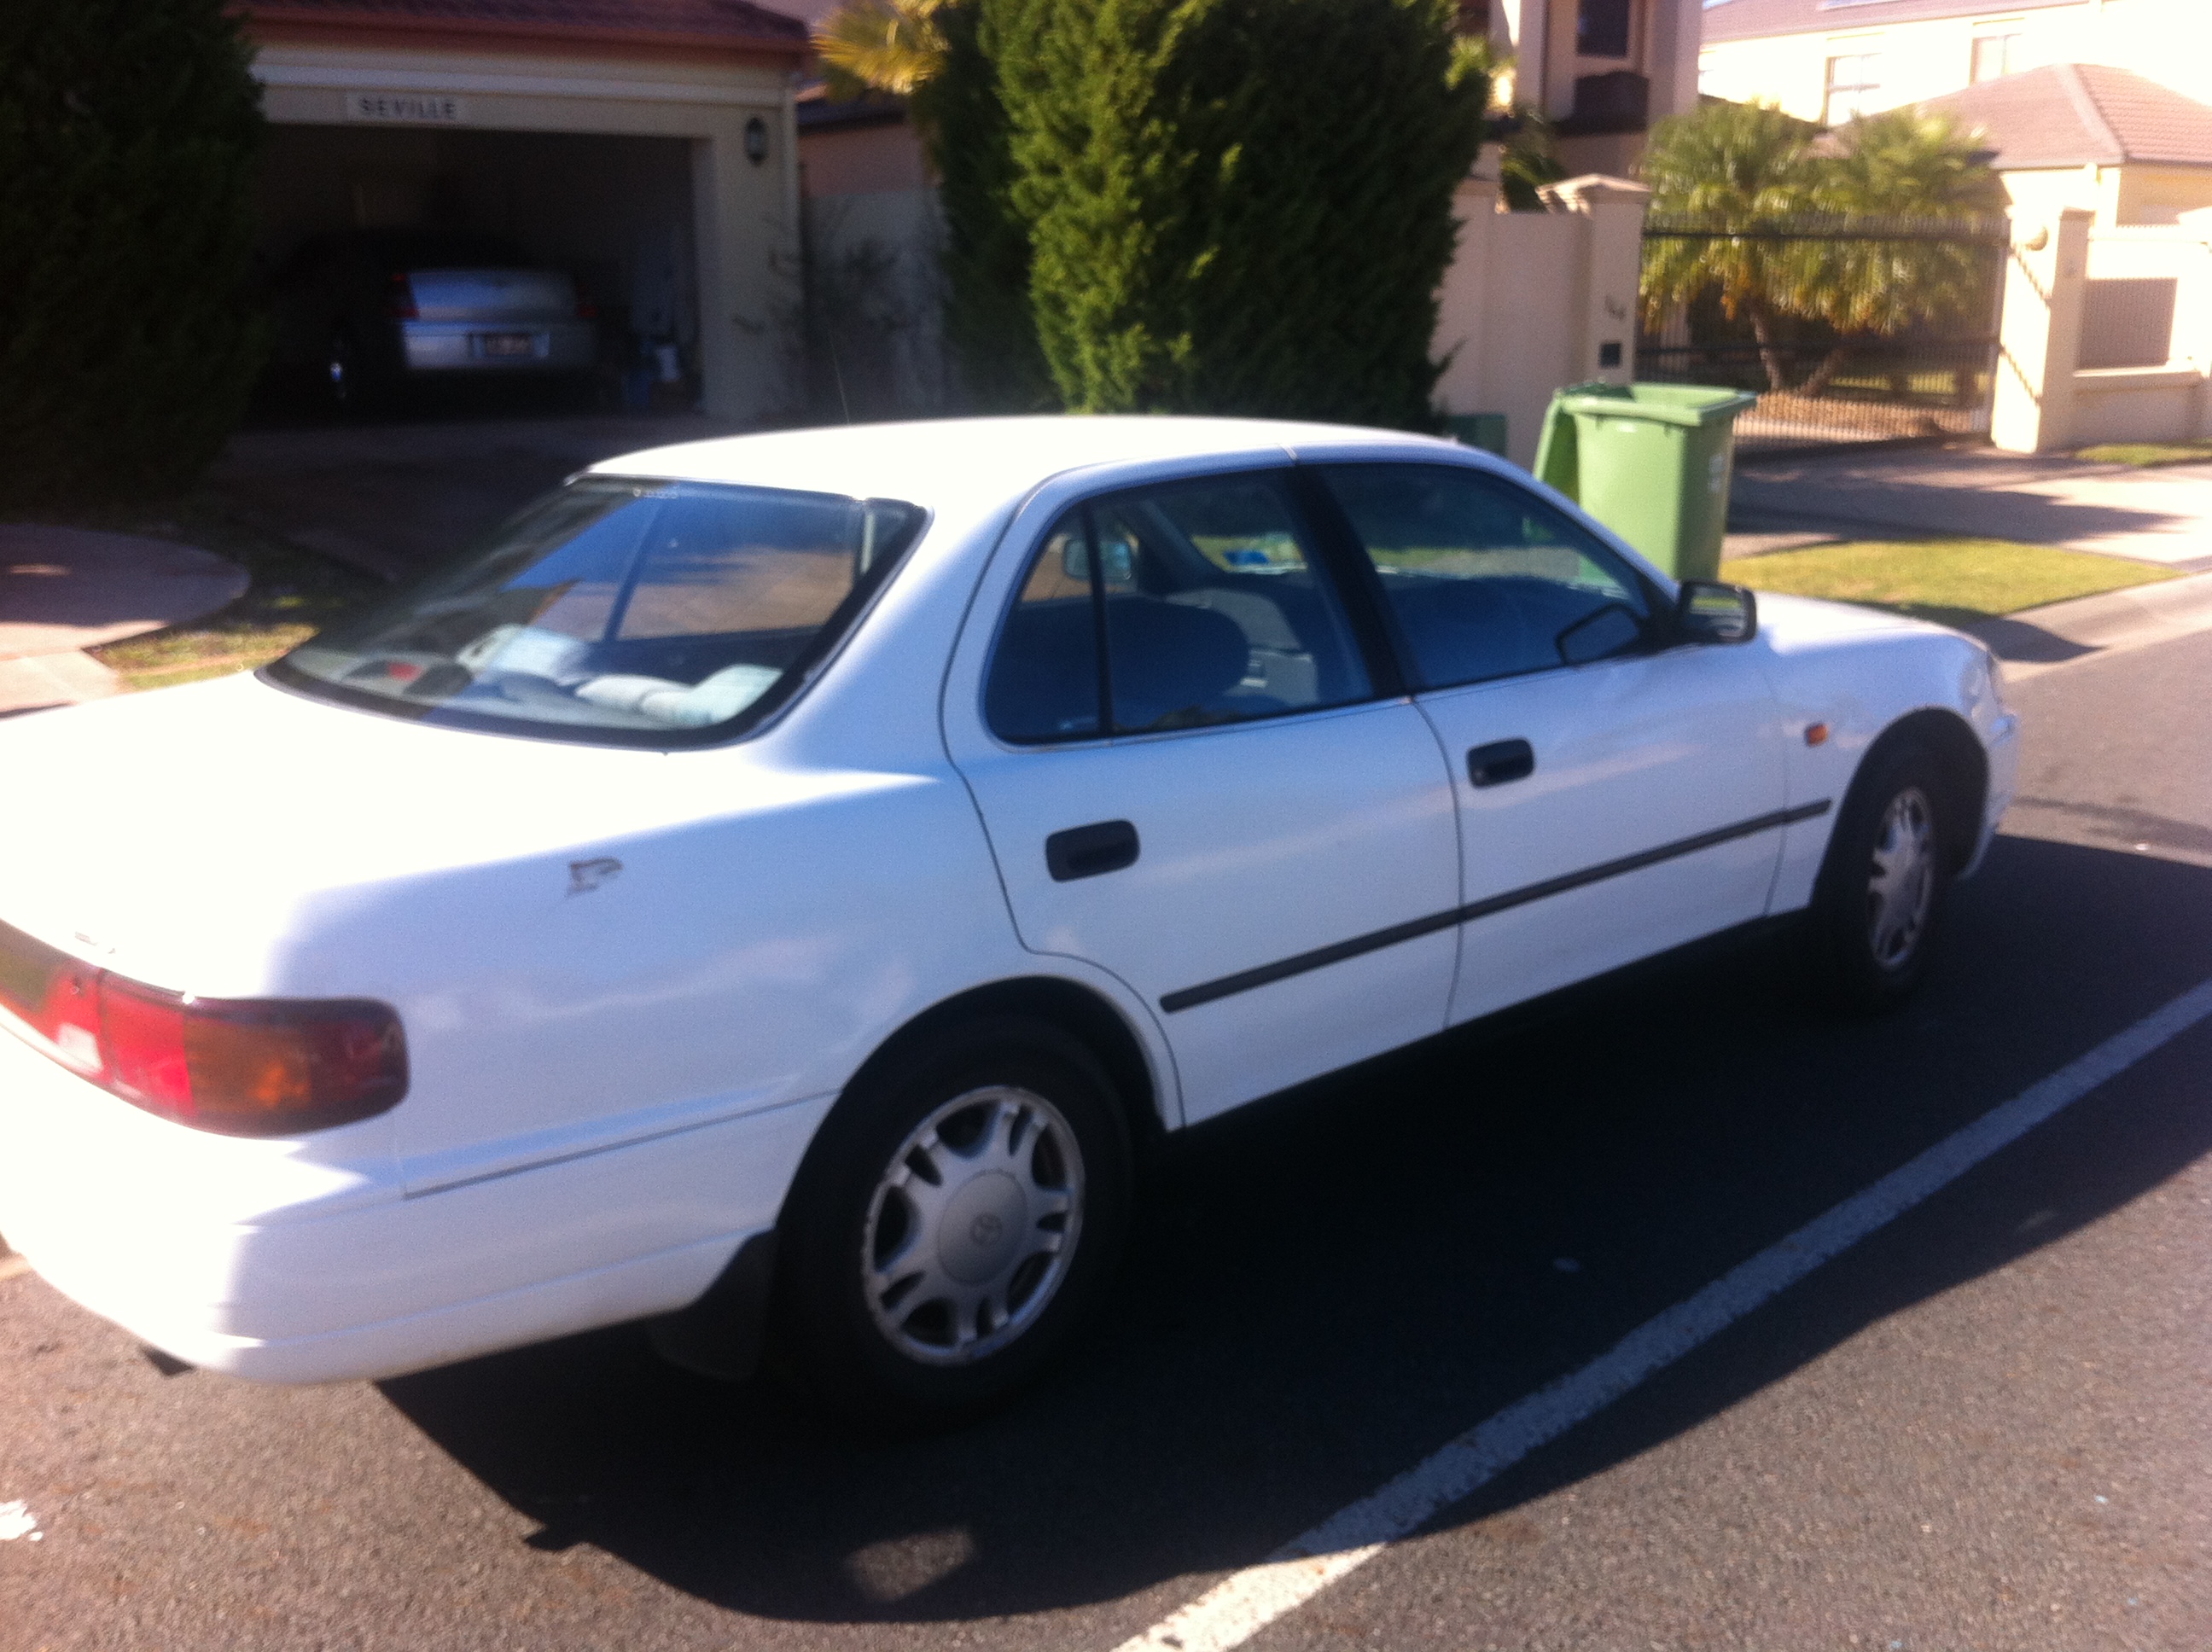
column 1088, row 851
column 1501, row 760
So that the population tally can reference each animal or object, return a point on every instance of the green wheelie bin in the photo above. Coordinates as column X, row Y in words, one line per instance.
column 1650, row 461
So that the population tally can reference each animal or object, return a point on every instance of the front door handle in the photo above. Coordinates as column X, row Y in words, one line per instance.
column 1501, row 760
column 1088, row 851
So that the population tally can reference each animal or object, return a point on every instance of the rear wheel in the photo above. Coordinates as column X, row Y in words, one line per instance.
column 1879, row 898
column 953, row 1226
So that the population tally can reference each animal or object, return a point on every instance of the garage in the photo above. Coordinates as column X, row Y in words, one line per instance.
column 642, row 149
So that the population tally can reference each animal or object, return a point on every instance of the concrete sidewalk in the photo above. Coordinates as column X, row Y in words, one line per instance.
column 64, row 590
column 2162, row 515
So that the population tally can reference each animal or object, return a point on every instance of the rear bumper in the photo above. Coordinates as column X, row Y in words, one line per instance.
column 491, row 346
column 306, row 1261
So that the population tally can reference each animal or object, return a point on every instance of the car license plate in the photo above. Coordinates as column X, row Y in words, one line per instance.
column 507, row 343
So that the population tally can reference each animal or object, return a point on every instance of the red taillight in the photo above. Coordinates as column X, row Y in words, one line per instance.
column 402, row 298
column 239, row 1066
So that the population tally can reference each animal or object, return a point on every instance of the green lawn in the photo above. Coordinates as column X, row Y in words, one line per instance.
column 1954, row 581
column 2144, row 454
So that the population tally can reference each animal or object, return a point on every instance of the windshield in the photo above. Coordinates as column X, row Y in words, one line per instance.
column 621, row 611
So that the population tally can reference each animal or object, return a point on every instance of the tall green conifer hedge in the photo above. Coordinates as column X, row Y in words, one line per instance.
column 1210, row 206
column 128, row 133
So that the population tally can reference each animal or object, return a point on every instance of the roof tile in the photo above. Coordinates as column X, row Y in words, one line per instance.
column 2082, row 115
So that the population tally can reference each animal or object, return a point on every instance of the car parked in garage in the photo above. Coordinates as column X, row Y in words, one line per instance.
column 365, row 311
column 784, row 883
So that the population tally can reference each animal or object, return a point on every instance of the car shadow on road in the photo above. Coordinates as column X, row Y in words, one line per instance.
column 1334, row 1283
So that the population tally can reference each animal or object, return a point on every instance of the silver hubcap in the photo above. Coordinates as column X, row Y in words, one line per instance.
column 1901, row 887
column 972, row 1225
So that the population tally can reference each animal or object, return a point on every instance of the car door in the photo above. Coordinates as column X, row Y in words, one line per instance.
column 1618, row 794
column 1195, row 775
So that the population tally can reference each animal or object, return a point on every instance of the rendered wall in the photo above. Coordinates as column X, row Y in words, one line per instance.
column 1533, row 300
column 877, row 331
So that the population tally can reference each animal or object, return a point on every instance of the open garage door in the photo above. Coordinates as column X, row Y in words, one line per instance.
column 614, row 214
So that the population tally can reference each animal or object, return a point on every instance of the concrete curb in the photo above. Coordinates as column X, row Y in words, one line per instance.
column 42, row 681
column 2038, row 639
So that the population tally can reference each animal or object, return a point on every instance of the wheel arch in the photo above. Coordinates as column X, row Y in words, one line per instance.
column 1078, row 1010
column 721, row 1334
column 1959, row 756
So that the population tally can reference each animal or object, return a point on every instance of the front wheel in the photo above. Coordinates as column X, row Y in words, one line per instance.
column 953, row 1226
column 1880, row 893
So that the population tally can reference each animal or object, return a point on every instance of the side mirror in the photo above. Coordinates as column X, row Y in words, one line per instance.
column 1710, row 611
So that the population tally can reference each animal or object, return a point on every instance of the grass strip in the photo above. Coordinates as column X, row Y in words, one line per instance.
column 2145, row 455
column 1952, row 580
column 293, row 593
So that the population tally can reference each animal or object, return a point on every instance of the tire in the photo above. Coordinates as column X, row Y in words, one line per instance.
column 1879, row 902
column 953, row 1226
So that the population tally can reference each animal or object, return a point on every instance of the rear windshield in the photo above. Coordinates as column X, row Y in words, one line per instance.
column 620, row 612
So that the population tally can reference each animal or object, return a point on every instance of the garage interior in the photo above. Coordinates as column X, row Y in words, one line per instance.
column 615, row 212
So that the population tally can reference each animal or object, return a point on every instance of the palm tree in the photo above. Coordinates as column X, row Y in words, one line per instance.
column 881, row 46
column 1918, row 169
column 1886, row 187
column 1741, row 169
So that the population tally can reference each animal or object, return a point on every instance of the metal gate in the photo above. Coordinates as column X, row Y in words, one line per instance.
column 1849, row 329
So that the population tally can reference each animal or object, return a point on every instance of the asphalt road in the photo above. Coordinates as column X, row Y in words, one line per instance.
column 1989, row 1425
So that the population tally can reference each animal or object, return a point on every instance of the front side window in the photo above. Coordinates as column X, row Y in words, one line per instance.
column 619, row 611
column 1483, row 578
column 1208, row 603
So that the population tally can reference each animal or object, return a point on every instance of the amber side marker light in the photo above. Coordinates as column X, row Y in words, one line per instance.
column 236, row 1066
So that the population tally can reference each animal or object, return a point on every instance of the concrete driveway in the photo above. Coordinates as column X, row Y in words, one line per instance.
column 397, row 498
column 2162, row 515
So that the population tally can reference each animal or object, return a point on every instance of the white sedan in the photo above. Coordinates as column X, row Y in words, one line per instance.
column 781, row 887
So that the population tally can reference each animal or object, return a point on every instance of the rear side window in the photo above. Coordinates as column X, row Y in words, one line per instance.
column 634, row 613
column 1482, row 578
column 1208, row 605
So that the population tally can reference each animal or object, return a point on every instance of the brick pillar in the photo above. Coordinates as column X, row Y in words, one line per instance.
column 2039, row 334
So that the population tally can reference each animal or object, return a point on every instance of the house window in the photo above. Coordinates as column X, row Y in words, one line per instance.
column 1853, row 82
column 1995, row 55
column 1601, row 28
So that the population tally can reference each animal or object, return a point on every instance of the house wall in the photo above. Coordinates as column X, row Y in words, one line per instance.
column 2166, row 40
column 1532, row 301
column 862, row 160
column 1540, row 37
column 744, row 215
column 2106, row 334
column 876, row 289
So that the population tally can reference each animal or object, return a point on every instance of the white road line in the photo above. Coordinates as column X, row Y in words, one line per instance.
column 1242, row 1605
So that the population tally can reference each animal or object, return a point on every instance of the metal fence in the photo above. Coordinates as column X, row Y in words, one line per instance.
column 1924, row 365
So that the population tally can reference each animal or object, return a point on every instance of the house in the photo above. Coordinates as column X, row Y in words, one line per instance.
column 2130, row 150
column 648, row 147
column 1603, row 70
column 1828, row 60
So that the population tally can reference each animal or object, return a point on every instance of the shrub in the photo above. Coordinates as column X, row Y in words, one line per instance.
column 128, row 133
column 1239, row 209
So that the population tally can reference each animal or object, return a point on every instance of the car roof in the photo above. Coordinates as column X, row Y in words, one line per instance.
column 930, row 462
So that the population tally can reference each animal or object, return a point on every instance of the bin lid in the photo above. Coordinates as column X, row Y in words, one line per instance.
column 1685, row 405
